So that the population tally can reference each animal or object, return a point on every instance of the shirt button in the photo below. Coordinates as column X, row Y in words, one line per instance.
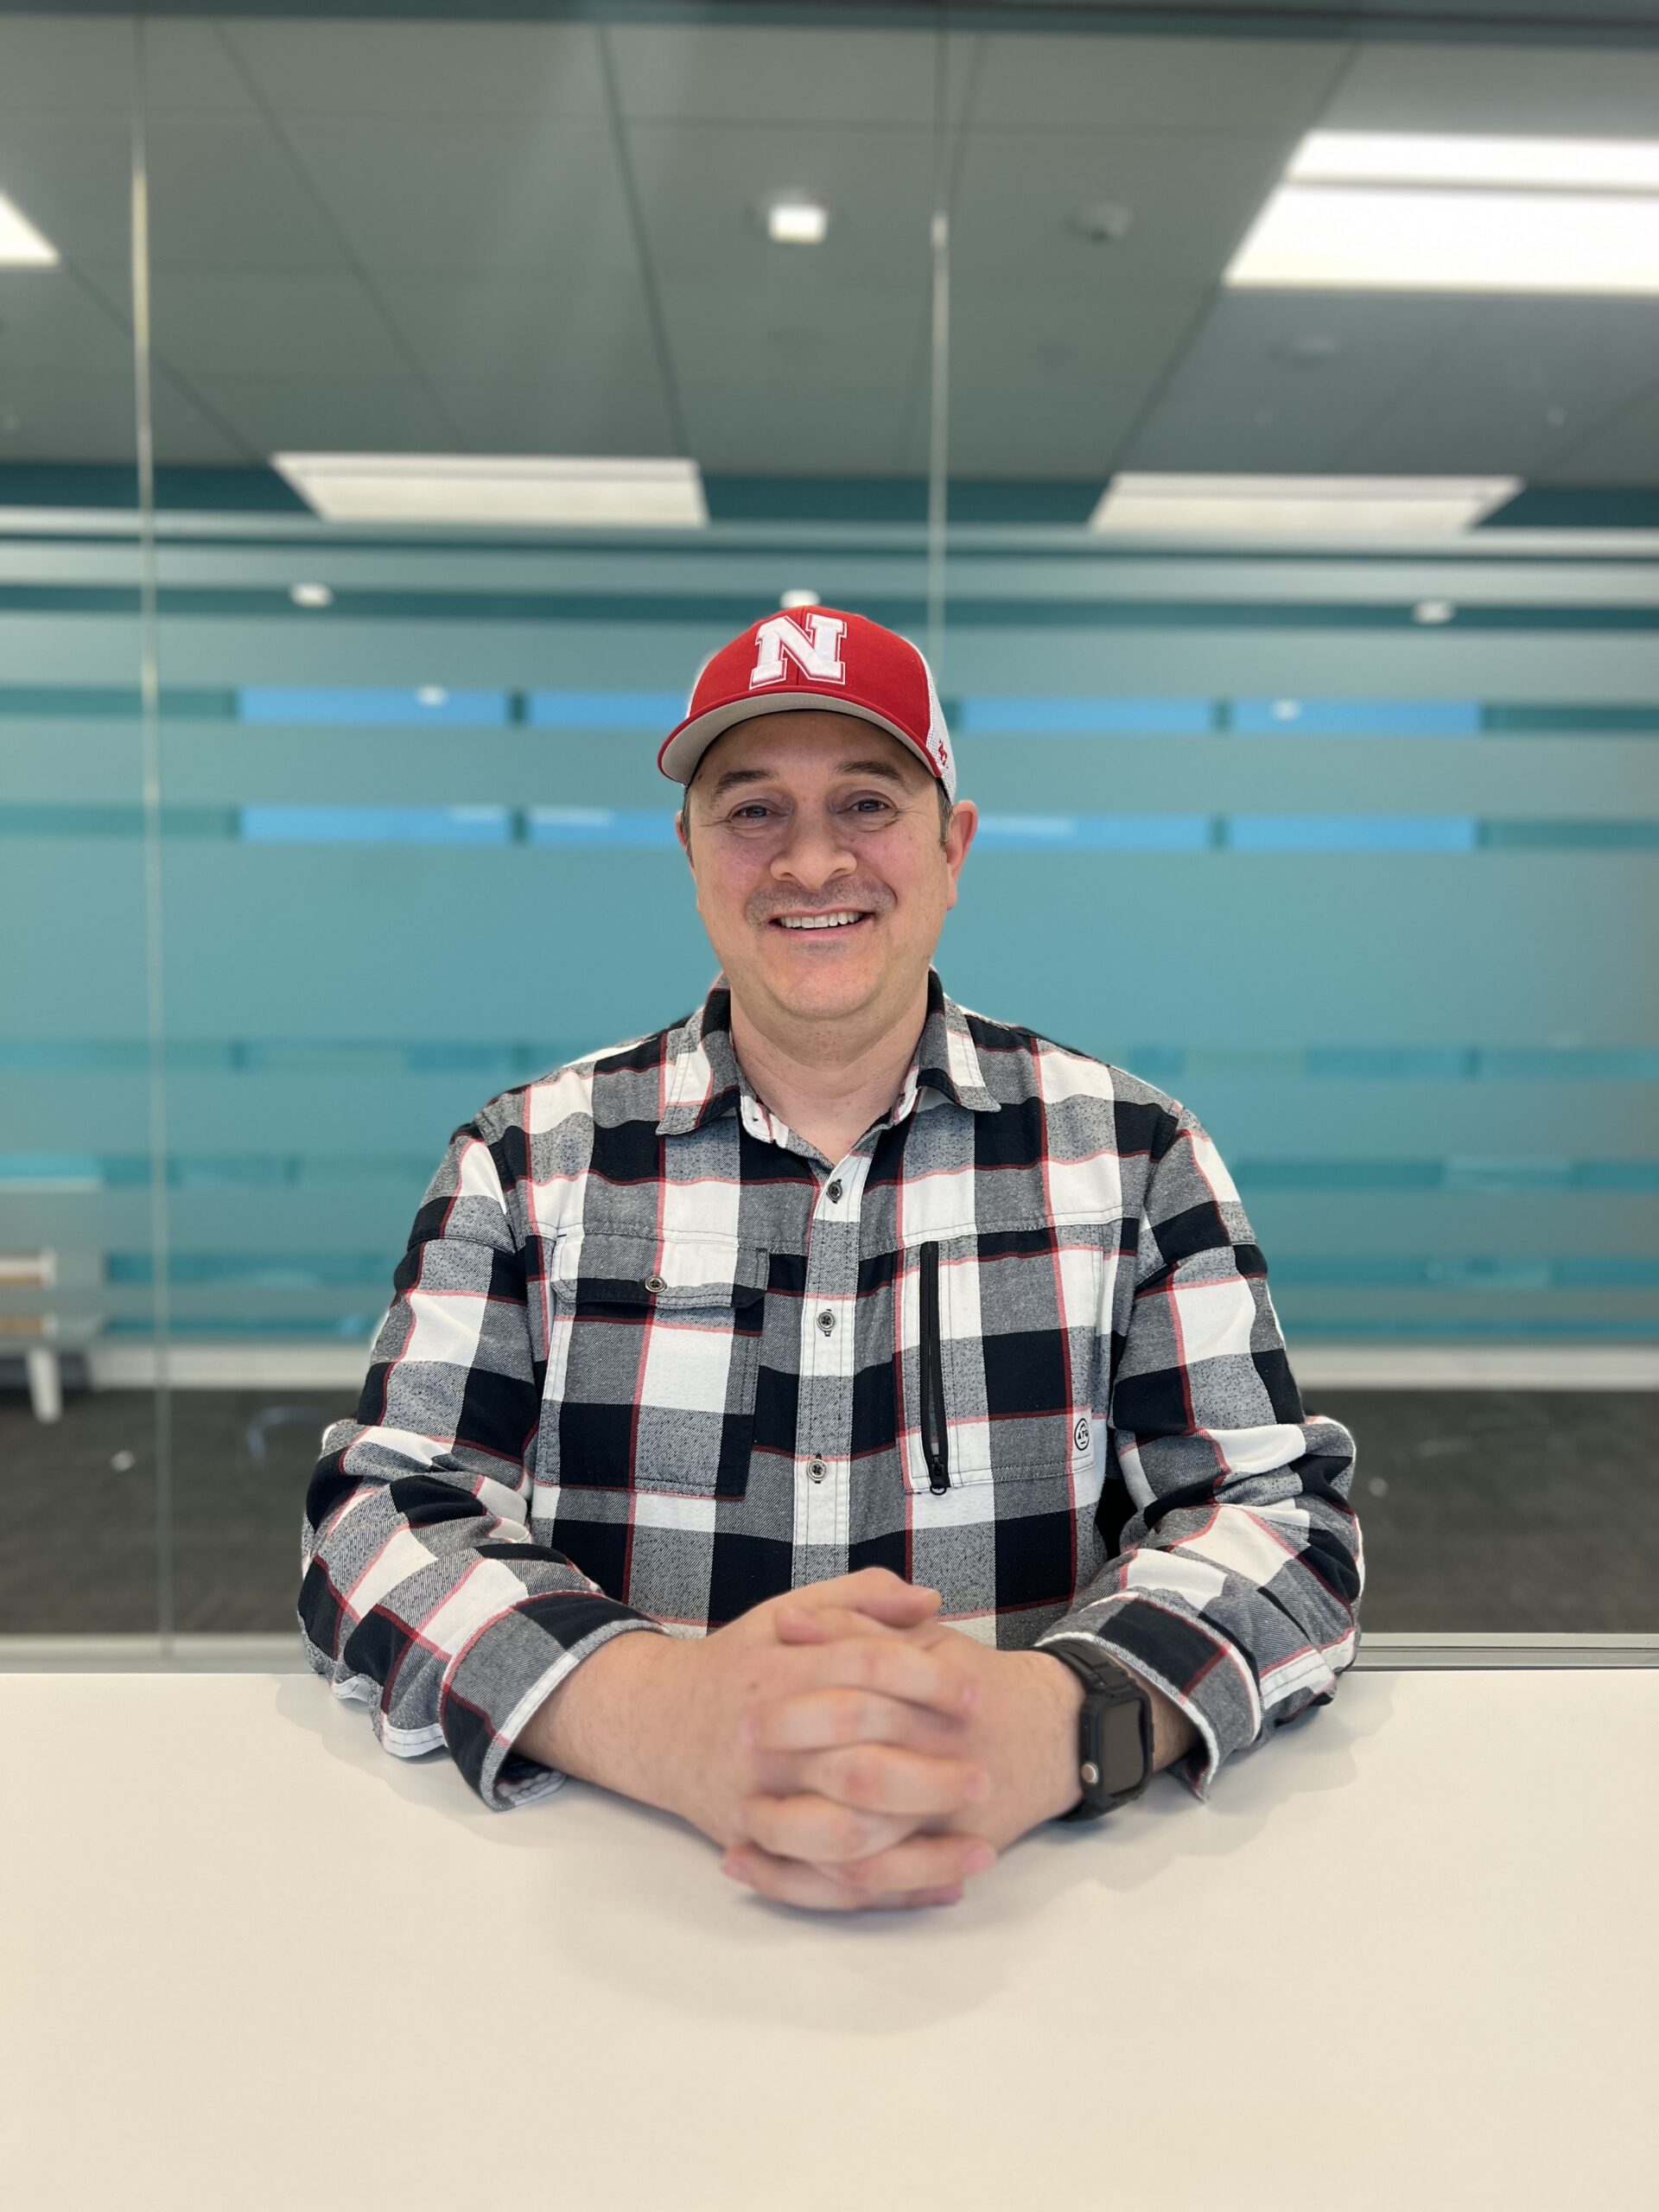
column 833, row 1192
column 817, row 1470
column 654, row 1283
column 826, row 1320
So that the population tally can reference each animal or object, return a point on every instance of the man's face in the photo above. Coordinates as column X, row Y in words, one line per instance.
column 805, row 816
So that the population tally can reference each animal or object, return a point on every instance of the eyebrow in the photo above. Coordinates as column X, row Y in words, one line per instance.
column 735, row 776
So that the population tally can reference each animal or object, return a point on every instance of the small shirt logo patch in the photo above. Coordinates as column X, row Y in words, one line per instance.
column 1080, row 1433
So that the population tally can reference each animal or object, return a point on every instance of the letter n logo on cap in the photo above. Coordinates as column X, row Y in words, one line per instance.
column 817, row 656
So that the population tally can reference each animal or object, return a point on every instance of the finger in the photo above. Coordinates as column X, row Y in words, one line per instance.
column 807, row 1826
column 790, row 1881
column 918, row 1862
column 818, row 1720
column 892, row 1666
column 823, row 1624
column 884, row 1778
column 878, row 1592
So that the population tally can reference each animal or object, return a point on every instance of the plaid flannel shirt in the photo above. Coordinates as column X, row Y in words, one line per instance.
column 652, row 1359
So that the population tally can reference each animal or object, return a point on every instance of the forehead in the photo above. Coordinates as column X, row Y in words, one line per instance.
column 804, row 741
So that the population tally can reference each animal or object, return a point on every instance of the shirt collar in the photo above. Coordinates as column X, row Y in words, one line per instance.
column 702, row 1079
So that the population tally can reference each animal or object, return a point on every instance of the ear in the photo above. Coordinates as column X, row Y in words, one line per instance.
column 964, row 820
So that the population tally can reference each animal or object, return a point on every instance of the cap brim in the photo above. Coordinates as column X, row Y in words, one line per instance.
column 685, row 747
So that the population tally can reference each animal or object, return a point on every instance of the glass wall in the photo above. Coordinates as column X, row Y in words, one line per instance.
column 1340, row 824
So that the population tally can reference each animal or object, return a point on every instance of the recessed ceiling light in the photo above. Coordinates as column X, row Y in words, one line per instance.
column 530, row 492
column 797, row 220
column 1432, row 157
column 1425, row 212
column 1433, row 610
column 1304, row 506
column 432, row 695
column 22, row 247
column 799, row 599
column 311, row 595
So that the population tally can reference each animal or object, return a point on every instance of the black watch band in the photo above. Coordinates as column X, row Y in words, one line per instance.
column 1114, row 1731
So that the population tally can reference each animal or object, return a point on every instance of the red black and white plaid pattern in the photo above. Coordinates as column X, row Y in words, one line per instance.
column 652, row 1360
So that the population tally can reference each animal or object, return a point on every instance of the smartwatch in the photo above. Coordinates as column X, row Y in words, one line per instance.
column 1113, row 1730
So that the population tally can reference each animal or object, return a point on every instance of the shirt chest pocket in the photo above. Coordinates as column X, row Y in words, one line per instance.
column 654, row 1351
column 1001, row 1336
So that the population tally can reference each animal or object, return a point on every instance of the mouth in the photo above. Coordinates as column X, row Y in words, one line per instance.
column 838, row 922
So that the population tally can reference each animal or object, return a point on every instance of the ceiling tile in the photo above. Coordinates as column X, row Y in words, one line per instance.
column 774, row 330
column 51, row 63
column 621, row 413
column 755, row 73
column 430, row 70
column 1522, row 381
column 49, row 320
column 293, row 413
column 1552, row 90
column 1189, row 200
column 72, row 175
column 272, row 325
column 1216, row 434
column 471, row 197
column 1287, row 349
column 1095, row 83
column 226, row 195
column 55, row 414
column 804, row 427
column 522, row 329
column 1625, row 451
column 703, row 189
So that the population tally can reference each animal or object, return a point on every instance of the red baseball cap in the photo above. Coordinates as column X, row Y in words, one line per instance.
column 815, row 657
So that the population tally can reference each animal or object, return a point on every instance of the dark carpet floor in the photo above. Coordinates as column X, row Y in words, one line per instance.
column 1481, row 1511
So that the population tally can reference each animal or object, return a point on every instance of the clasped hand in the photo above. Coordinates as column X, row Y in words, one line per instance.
column 850, row 1751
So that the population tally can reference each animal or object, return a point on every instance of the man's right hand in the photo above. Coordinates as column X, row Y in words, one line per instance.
column 665, row 1719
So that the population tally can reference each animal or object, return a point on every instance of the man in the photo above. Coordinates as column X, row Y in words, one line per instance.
column 928, row 1363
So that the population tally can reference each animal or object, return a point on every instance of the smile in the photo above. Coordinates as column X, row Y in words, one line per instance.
column 846, row 919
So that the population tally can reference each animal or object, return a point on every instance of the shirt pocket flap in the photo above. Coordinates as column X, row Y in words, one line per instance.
column 670, row 1274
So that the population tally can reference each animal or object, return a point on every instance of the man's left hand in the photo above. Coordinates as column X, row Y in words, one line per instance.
column 1022, row 1733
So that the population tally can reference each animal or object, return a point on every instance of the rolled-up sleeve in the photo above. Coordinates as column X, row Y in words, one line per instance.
column 423, row 1594
column 1237, row 1577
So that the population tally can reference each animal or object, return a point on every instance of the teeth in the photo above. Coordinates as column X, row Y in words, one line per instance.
column 818, row 921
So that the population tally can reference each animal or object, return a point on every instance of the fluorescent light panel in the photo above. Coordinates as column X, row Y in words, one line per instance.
column 22, row 247
column 1299, row 507
column 530, row 491
column 1428, row 157
column 1431, row 213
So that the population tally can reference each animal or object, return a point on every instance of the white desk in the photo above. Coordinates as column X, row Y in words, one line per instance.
column 1406, row 1961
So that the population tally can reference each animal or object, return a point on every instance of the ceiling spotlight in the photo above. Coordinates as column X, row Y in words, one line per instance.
column 432, row 695
column 799, row 599
column 796, row 220
column 311, row 595
column 1103, row 223
column 1433, row 610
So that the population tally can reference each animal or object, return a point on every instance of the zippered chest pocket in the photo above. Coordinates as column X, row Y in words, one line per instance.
column 653, row 1354
column 1000, row 1337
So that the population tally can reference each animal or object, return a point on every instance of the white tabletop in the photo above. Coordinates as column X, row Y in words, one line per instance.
column 1405, row 1960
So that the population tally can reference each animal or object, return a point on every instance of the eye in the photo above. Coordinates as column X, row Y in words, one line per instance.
column 880, row 806
column 751, row 810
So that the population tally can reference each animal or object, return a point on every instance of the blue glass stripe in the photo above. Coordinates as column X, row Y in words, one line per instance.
column 1094, row 833
column 1352, row 833
column 375, row 825
column 1058, row 716
column 659, row 711
column 373, row 706
column 627, row 828
column 1285, row 718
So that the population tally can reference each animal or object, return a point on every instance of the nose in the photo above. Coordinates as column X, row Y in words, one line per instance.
column 814, row 853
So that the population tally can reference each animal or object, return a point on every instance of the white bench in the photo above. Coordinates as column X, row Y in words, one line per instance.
column 37, row 1332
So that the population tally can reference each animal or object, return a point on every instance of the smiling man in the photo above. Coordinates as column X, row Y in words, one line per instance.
column 916, row 1374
